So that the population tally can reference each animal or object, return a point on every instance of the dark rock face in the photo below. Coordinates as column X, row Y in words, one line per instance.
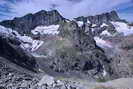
column 9, row 49
column 81, row 54
column 99, row 19
column 25, row 24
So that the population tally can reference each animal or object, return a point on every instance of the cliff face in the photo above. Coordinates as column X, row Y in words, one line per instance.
column 74, row 51
column 99, row 19
column 25, row 24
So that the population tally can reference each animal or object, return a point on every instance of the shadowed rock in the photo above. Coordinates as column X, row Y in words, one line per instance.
column 10, row 49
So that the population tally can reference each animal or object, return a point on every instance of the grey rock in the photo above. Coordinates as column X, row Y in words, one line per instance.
column 99, row 19
column 82, row 54
column 25, row 24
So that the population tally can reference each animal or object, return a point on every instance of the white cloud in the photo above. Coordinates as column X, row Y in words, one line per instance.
column 68, row 8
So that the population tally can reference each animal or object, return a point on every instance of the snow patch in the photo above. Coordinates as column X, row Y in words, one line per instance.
column 105, row 32
column 102, row 43
column 104, row 24
column 124, row 28
column 93, row 25
column 80, row 23
column 25, row 39
column 67, row 20
column 8, row 32
column 30, row 44
column 88, row 22
column 104, row 72
column 36, row 44
column 52, row 29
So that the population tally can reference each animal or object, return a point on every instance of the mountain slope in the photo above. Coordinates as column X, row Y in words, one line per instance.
column 11, row 49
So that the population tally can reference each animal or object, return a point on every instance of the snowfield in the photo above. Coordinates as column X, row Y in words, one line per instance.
column 27, row 42
column 105, row 32
column 104, row 24
column 52, row 29
column 122, row 27
column 93, row 25
column 8, row 31
column 30, row 44
column 80, row 23
column 102, row 43
column 88, row 22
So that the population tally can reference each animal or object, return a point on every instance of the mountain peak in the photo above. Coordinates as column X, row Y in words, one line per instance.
column 99, row 19
column 25, row 24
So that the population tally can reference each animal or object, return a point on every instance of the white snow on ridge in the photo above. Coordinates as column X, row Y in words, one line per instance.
column 36, row 45
column 124, row 28
column 27, row 42
column 105, row 32
column 8, row 31
column 94, row 25
column 88, row 22
column 30, row 44
column 52, row 29
column 25, row 39
column 104, row 24
column 102, row 43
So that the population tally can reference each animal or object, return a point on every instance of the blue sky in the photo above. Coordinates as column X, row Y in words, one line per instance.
column 68, row 8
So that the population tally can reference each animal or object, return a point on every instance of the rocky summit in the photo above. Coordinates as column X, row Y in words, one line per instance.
column 44, row 50
column 99, row 19
column 25, row 24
